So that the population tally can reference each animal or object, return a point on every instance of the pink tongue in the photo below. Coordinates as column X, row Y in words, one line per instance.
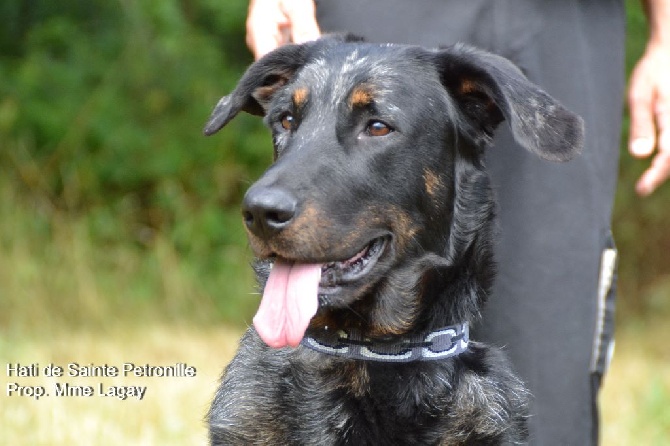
column 289, row 301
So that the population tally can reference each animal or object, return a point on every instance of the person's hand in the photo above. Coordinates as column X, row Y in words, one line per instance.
column 649, row 102
column 272, row 23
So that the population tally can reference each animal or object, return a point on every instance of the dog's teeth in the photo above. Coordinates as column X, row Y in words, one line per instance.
column 330, row 276
column 333, row 273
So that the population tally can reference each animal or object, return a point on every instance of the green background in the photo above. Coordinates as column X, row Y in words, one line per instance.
column 113, row 203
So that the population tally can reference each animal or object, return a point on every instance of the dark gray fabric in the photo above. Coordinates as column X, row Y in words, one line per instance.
column 555, row 218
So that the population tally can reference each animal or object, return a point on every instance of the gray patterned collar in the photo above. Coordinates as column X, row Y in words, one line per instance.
column 439, row 344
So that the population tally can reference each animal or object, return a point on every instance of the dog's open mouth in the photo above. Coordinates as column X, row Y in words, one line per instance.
column 334, row 274
column 291, row 294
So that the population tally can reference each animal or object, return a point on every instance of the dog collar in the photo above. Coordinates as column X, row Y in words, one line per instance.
column 439, row 344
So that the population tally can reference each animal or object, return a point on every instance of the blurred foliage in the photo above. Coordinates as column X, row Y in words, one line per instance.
column 102, row 103
column 103, row 166
column 101, row 110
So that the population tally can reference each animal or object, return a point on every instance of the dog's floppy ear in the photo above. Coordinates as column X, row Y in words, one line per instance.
column 258, row 85
column 489, row 88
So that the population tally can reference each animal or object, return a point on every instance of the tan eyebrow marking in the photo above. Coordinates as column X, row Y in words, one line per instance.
column 360, row 97
column 300, row 96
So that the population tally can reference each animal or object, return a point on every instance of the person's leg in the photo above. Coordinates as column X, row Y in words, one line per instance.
column 555, row 223
column 554, row 218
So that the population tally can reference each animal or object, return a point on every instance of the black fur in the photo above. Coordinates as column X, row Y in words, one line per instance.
column 424, row 190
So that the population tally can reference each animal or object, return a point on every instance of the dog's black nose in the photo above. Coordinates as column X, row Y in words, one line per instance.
column 267, row 210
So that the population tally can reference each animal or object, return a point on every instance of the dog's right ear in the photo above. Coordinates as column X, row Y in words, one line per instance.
column 259, row 84
column 490, row 89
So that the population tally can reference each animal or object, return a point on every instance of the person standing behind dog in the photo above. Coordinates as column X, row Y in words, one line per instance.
column 552, row 305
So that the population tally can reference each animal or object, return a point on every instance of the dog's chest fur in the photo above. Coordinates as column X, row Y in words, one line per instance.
column 300, row 397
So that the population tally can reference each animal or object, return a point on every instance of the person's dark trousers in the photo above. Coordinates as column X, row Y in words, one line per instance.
column 551, row 309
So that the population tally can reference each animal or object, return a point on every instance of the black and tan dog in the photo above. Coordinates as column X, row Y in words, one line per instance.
column 374, row 233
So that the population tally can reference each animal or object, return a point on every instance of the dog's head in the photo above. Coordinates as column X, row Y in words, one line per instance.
column 377, row 210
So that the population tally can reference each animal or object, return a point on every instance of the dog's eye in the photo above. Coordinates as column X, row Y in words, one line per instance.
column 287, row 121
column 378, row 128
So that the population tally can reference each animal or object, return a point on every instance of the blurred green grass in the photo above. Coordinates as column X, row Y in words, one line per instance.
column 117, row 216
column 634, row 400
column 55, row 276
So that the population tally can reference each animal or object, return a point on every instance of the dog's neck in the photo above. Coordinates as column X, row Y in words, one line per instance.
column 450, row 296
column 440, row 344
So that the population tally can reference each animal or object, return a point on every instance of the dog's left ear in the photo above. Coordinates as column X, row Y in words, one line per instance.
column 489, row 88
column 265, row 77
column 258, row 85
